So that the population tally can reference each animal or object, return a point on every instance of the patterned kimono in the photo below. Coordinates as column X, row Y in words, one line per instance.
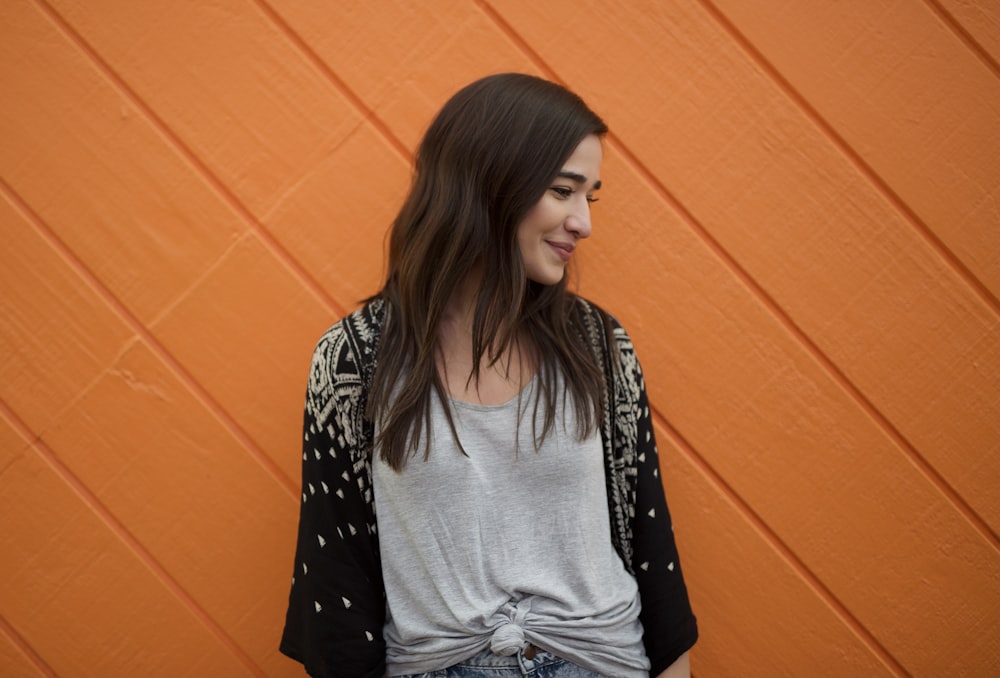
column 336, row 607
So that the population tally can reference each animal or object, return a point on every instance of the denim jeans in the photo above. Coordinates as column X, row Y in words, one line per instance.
column 541, row 664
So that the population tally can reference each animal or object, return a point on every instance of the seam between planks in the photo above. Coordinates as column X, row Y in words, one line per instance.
column 119, row 530
column 322, row 67
column 965, row 36
column 6, row 629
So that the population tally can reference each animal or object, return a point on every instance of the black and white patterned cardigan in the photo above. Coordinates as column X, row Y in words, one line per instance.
column 336, row 606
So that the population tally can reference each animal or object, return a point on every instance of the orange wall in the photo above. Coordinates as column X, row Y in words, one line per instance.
column 799, row 227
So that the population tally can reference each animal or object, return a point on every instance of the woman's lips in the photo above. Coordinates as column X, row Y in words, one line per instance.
column 563, row 249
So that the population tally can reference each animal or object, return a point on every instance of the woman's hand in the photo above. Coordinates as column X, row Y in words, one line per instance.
column 679, row 669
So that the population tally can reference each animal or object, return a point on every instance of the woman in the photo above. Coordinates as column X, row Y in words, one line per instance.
column 498, row 424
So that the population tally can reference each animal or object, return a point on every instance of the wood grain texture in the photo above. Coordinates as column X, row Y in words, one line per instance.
column 14, row 662
column 99, row 175
column 780, row 615
column 81, row 599
column 980, row 21
column 798, row 228
column 250, row 307
column 224, row 80
column 56, row 334
column 333, row 222
column 185, row 488
column 17, row 657
column 404, row 59
column 882, row 74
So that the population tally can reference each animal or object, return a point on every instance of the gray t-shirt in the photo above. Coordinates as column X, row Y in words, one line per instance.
column 504, row 546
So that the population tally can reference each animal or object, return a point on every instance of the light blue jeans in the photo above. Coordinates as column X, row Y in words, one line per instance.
column 541, row 664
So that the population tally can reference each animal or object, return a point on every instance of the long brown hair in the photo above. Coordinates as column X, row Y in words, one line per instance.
column 486, row 159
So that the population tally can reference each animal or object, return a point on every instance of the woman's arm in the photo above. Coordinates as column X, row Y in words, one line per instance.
column 670, row 628
column 336, row 607
column 679, row 669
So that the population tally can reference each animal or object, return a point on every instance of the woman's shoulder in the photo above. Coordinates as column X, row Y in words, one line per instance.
column 359, row 328
column 597, row 315
column 612, row 336
column 345, row 352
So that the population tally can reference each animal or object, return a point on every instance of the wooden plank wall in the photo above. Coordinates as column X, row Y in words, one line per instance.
column 799, row 228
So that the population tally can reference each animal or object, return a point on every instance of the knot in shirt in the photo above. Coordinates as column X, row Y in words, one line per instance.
column 508, row 638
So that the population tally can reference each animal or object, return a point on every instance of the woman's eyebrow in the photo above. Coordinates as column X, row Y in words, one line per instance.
column 578, row 178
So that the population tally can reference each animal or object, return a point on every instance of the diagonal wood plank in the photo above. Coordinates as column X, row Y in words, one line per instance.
column 56, row 334
column 184, row 487
column 99, row 175
column 909, row 97
column 227, row 83
column 61, row 565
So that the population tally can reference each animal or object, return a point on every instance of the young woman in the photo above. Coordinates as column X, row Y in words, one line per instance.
column 497, row 425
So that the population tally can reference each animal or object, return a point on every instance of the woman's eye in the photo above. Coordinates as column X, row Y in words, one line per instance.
column 591, row 199
column 562, row 191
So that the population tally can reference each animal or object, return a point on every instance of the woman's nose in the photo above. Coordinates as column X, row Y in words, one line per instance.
column 578, row 222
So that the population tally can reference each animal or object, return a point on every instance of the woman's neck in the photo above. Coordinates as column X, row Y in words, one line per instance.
column 498, row 381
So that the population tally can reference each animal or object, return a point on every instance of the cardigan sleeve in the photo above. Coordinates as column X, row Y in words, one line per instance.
column 669, row 625
column 336, row 607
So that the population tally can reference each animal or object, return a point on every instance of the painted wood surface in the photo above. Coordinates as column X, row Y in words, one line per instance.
column 799, row 227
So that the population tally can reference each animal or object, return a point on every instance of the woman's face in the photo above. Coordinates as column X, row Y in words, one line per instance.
column 551, row 229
